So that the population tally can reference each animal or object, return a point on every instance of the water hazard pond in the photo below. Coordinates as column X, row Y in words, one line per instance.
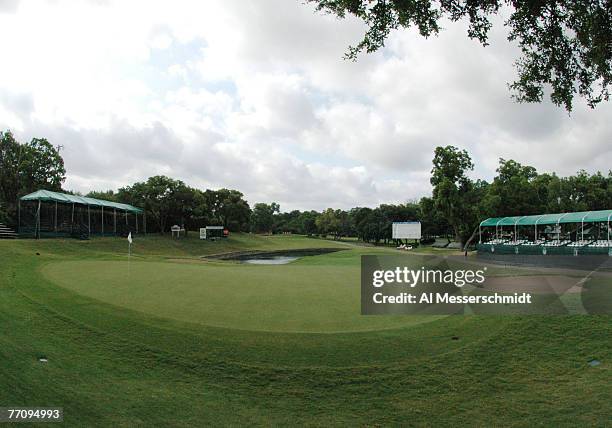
column 280, row 257
column 269, row 260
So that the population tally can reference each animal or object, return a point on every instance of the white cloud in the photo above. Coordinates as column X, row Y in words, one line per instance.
column 256, row 96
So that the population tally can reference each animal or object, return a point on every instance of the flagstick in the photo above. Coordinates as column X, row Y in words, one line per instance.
column 129, row 251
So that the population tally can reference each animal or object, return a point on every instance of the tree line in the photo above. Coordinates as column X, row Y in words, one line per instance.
column 25, row 168
column 457, row 204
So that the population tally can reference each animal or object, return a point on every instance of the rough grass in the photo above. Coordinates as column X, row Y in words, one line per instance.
column 114, row 366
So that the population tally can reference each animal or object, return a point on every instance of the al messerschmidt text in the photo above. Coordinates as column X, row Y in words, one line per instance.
column 409, row 298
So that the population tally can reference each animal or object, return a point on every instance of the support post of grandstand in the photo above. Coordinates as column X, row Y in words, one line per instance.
column 55, row 218
column 102, row 221
column 559, row 227
column 72, row 220
column 136, row 223
column 115, row 220
column 609, row 230
column 582, row 227
column 516, row 229
column 37, row 229
column 88, row 222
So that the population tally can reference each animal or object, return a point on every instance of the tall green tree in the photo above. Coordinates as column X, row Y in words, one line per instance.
column 288, row 222
column 262, row 217
column 25, row 168
column 328, row 223
column 105, row 195
column 565, row 44
column 454, row 194
column 44, row 167
column 513, row 191
column 308, row 222
column 166, row 201
column 229, row 208
column 433, row 222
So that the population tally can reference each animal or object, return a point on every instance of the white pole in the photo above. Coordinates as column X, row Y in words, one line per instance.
column 582, row 226
column 536, row 227
column 609, row 230
column 559, row 227
column 496, row 225
column 516, row 228
column 129, row 251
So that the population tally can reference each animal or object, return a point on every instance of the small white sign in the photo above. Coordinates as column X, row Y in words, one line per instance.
column 202, row 233
column 406, row 230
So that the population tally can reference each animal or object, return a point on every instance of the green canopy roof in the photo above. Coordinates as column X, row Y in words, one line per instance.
column 531, row 220
column 64, row 198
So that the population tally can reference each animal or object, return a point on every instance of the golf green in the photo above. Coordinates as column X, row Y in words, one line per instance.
column 284, row 298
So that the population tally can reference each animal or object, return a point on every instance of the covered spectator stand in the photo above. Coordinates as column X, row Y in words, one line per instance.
column 52, row 214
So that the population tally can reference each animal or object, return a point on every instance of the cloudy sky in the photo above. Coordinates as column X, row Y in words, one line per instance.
column 256, row 96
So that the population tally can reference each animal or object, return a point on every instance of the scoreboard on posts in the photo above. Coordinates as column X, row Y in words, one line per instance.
column 406, row 230
column 213, row 232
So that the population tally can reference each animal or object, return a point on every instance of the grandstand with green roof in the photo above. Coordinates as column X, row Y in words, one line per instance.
column 586, row 232
column 52, row 214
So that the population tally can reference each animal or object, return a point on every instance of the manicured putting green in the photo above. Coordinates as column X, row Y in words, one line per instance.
column 286, row 298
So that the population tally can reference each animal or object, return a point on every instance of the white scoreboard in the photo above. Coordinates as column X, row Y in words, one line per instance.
column 406, row 230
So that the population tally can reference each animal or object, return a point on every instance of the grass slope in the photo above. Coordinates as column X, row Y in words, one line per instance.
column 110, row 364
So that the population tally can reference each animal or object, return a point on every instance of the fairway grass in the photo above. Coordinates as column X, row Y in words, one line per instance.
column 161, row 347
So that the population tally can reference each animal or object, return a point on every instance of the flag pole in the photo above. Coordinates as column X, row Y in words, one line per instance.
column 129, row 238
